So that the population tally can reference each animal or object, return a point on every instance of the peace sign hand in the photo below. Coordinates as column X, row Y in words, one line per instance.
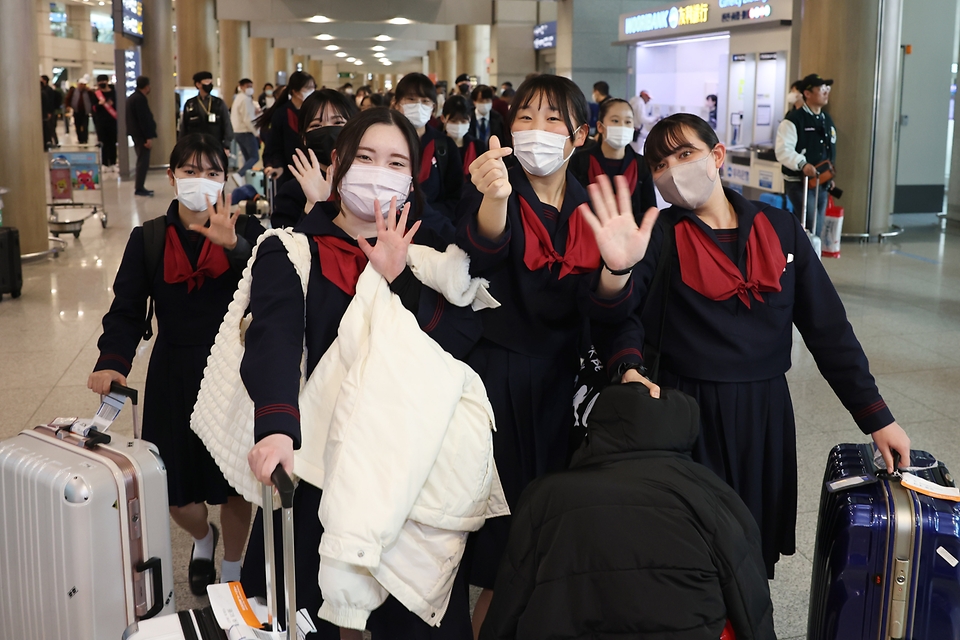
column 622, row 244
column 389, row 255
column 222, row 230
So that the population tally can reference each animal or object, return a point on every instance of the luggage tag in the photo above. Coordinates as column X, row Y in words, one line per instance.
column 843, row 484
column 110, row 407
column 927, row 488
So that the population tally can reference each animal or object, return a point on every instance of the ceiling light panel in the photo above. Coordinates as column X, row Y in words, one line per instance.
column 318, row 19
column 324, row 36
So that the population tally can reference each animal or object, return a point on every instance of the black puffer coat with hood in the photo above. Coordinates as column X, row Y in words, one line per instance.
column 635, row 540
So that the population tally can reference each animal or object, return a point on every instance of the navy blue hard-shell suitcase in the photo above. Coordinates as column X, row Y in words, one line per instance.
column 885, row 561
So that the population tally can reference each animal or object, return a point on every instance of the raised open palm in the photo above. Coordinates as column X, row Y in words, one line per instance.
column 621, row 242
column 389, row 255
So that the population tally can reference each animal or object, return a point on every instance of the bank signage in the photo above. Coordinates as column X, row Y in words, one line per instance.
column 695, row 17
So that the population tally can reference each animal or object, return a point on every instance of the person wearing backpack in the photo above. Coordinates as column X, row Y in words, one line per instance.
column 188, row 263
column 441, row 171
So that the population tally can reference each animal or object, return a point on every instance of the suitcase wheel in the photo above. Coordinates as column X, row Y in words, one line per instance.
column 15, row 294
column 76, row 234
column 56, row 234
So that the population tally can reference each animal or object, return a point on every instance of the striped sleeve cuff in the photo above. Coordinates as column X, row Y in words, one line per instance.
column 277, row 418
column 113, row 362
column 873, row 417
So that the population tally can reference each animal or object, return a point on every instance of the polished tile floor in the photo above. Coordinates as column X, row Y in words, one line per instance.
column 903, row 298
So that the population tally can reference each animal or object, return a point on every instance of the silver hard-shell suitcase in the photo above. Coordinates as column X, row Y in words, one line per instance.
column 84, row 530
column 200, row 624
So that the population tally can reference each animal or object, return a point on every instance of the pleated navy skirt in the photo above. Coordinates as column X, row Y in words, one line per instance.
column 173, row 382
column 391, row 621
column 748, row 438
column 532, row 401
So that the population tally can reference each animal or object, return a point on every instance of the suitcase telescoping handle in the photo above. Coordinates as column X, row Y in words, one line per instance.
column 117, row 389
column 284, row 486
column 806, row 191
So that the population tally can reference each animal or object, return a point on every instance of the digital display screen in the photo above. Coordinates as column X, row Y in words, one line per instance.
column 131, row 17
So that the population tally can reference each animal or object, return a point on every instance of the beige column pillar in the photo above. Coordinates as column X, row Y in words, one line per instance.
column 473, row 49
column 234, row 56
column 564, row 50
column 378, row 81
column 315, row 68
column 21, row 129
column 858, row 45
column 510, row 46
column 433, row 57
column 281, row 62
column 447, row 53
column 196, row 39
column 259, row 72
column 156, row 58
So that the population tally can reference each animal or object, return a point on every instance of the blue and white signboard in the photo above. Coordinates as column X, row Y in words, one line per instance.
column 545, row 35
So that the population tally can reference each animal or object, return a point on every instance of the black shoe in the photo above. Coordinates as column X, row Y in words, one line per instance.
column 143, row 192
column 202, row 571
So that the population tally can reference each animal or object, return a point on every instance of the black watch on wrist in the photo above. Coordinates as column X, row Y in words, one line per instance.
column 627, row 366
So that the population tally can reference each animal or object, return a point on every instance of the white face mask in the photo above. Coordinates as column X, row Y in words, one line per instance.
column 689, row 185
column 540, row 152
column 418, row 114
column 618, row 137
column 269, row 93
column 306, row 93
column 457, row 131
column 792, row 97
column 362, row 184
column 194, row 193
column 248, row 91
column 483, row 108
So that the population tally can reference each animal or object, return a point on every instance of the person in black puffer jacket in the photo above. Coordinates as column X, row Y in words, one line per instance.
column 634, row 540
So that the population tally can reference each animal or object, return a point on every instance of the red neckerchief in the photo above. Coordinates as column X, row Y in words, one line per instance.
column 426, row 162
column 630, row 174
column 341, row 262
column 106, row 105
column 706, row 269
column 293, row 119
column 468, row 157
column 581, row 254
column 177, row 267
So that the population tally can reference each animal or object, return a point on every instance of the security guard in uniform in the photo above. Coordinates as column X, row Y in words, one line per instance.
column 206, row 113
column 805, row 138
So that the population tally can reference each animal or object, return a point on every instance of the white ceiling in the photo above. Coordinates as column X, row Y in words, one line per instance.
column 354, row 25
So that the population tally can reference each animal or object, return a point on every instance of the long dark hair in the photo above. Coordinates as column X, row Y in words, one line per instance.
column 318, row 101
column 605, row 109
column 196, row 147
column 559, row 92
column 349, row 140
column 667, row 136
column 298, row 80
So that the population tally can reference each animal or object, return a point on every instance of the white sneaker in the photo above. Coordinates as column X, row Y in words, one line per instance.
column 238, row 179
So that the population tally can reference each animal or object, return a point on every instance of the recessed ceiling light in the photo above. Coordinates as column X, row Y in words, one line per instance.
column 324, row 36
column 358, row 62
column 385, row 62
column 379, row 47
column 383, row 38
column 399, row 20
column 332, row 47
column 318, row 19
column 351, row 59
column 379, row 54
column 101, row 3
column 342, row 54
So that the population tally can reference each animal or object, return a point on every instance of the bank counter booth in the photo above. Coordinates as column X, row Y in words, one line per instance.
column 736, row 50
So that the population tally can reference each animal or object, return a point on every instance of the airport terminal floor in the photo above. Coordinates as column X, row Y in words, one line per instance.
column 903, row 298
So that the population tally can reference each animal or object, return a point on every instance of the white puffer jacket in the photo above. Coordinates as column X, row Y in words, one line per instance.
column 399, row 435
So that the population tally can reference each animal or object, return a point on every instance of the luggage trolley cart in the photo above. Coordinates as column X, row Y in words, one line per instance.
column 75, row 183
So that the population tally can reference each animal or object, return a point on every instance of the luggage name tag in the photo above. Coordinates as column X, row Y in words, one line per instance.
column 212, row 118
column 62, row 423
column 927, row 488
column 843, row 484
column 110, row 406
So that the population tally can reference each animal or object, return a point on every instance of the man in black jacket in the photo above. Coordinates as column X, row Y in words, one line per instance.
column 206, row 113
column 48, row 106
column 143, row 129
column 635, row 540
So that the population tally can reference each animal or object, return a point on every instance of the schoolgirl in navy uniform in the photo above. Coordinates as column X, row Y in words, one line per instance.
column 284, row 120
column 202, row 260
column 441, row 171
column 456, row 122
column 613, row 156
column 741, row 274
column 320, row 120
column 526, row 231
column 376, row 138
